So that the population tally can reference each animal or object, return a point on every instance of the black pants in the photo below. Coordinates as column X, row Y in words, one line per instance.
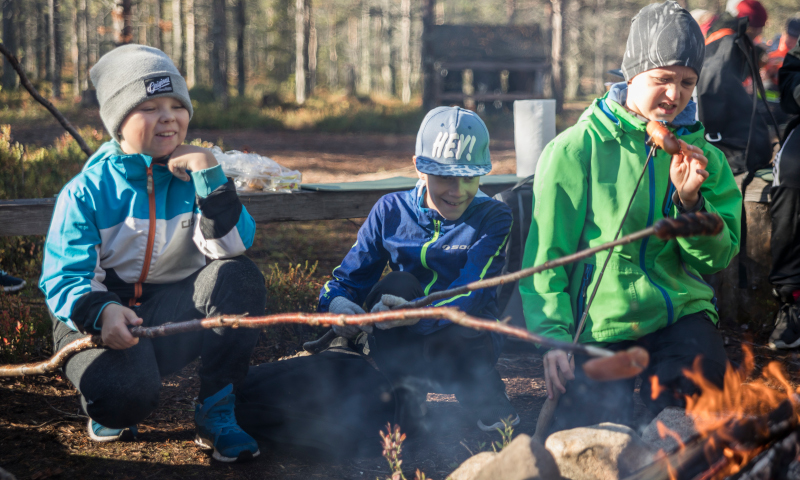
column 454, row 359
column 672, row 349
column 119, row 388
column 785, row 213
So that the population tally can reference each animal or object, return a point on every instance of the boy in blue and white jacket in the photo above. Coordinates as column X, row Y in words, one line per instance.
column 128, row 245
column 442, row 234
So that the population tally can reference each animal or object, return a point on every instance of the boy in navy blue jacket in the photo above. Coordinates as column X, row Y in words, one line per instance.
column 442, row 234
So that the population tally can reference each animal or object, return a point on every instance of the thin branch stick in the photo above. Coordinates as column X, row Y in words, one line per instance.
column 688, row 225
column 12, row 59
column 237, row 321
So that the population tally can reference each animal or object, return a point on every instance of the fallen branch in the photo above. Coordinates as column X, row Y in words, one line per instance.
column 12, row 59
column 688, row 225
column 236, row 321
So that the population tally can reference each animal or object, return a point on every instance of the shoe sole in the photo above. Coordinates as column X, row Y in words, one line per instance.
column 245, row 456
column 498, row 425
column 125, row 436
column 14, row 288
column 780, row 344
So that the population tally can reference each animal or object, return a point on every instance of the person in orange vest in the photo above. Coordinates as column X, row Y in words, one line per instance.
column 776, row 52
column 724, row 104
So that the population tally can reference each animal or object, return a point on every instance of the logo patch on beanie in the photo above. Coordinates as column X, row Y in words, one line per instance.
column 156, row 85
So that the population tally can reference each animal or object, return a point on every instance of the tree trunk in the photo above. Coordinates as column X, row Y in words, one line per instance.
column 300, row 52
column 191, row 53
column 555, row 53
column 54, row 60
column 83, row 44
column 158, row 17
column 387, row 71
column 9, row 40
column 219, row 52
column 333, row 56
column 177, row 34
column 428, row 85
column 572, row 69
column 511, row 10
column 75, row 50
column 43, row 42
column 599, row 48
column 241, row 22
column 312, row 48
column 405, row 50
column 365, row 74
column 352, row 40
column 121, row 16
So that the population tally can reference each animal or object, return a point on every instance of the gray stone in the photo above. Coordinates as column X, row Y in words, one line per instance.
column 522, row 459
column 607, row 451
column 471, row 466
column 674, row 419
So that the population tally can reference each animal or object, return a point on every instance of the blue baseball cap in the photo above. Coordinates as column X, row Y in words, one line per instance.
column 453, row 142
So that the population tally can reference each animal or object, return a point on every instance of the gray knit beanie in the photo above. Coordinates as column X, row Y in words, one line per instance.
column 663, row 35
column 132, row 74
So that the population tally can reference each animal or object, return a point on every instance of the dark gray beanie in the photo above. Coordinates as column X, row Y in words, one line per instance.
column 663, row 35
column 132, row 74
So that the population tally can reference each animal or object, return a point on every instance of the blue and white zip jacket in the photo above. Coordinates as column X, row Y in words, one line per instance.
column 125, row 225
column 442, row 254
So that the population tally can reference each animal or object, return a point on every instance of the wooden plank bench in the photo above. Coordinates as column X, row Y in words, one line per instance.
column 32, row 216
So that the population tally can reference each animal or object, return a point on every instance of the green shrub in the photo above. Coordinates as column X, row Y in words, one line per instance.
column 22, row 256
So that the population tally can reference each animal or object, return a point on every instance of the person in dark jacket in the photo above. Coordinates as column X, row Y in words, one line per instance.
column 785, row 212
column 725, row 106
column 442, row 234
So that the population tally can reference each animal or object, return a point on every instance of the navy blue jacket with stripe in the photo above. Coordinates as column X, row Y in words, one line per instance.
column 442, row 254
column 102, row 225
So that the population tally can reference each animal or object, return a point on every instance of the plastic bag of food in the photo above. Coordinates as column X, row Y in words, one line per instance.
column 252, row 172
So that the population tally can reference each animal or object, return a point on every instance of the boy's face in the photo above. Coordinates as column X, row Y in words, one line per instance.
column 155, row 127
column 661, row 93
column 450, row 196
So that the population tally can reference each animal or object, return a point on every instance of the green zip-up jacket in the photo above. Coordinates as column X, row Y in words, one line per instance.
column 583, row 183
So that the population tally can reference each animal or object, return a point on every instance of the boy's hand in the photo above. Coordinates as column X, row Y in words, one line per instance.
column 191, row 158
column 115, row 319
column 555, row 361
column 687, row 172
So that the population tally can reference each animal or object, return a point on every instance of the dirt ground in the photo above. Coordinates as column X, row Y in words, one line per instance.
column 42, row 430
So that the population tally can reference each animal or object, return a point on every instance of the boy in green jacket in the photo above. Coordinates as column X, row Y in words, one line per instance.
column 652, row 293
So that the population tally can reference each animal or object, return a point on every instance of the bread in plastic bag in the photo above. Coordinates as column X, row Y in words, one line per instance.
column 252, row 172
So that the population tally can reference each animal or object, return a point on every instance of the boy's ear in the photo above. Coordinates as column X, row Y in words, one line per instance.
column 421, row 175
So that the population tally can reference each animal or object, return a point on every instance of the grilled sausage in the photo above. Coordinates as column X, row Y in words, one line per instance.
column 625, row 364
column 663, row 138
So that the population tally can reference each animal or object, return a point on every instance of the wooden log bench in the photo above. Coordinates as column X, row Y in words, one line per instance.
column 314, row 202
column 754, row 304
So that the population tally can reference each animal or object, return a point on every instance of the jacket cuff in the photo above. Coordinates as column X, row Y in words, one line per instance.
column 207, row 180
column 221, row 210
column 87, row 310
column 700, row 205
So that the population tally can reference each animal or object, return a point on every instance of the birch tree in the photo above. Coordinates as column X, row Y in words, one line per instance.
column 9, row 40
column 191, row 52
column 177, row 34
column 241, row 22
column 405, row 50
column 54, row 36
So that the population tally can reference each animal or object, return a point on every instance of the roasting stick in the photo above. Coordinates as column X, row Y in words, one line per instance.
column 686, row 225
column 660, row 137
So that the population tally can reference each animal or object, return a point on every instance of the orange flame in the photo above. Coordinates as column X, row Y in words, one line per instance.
column 712, row 408
column 664, row 431
column 655, row 388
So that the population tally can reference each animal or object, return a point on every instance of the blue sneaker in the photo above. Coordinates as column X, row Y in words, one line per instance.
column 99, row 433
column 10, row 284
column 217, row 429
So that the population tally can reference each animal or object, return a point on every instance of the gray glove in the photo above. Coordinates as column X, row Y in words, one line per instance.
column 387, row 303
column 343, row 306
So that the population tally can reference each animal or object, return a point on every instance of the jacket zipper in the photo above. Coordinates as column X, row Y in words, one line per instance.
column 151, row 236
column 643, row 249
column 436, row 224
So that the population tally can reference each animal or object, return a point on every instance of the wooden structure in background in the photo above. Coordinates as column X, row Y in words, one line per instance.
column 487, row 64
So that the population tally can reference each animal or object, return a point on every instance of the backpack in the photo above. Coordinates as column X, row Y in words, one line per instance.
column 519, row 199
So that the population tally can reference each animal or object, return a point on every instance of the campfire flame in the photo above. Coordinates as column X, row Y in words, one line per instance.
column 713, row 411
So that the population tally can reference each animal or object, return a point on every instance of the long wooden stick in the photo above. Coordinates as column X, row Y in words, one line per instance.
column 688, row 225
column 237, row 321
column 12, row 59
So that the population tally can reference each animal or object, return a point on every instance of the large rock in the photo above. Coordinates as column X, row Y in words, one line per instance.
column 607, row 451
column 674, row 419
column 522, row 459
column 471, row 466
